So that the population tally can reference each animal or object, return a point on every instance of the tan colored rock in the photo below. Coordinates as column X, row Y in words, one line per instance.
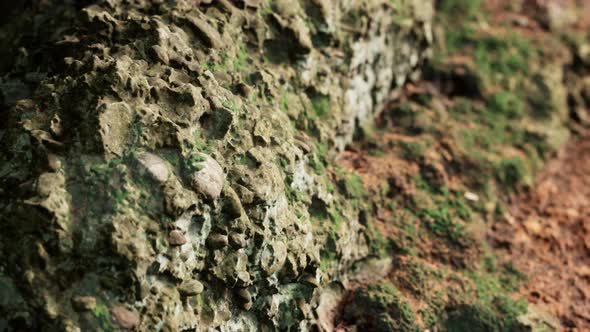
column 209, row 179
column 191, row 288
column 84, row 303
column 176, row 238
column 126, row 318
column 155, row 166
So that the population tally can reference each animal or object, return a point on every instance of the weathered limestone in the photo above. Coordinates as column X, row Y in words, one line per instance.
column 162, row 152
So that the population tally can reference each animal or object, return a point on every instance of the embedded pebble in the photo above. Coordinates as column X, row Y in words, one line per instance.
column 245, row 298
column 155, row 166
column 126, row 318
column 244, row 295
column 176, row 238
column 53, row 162
column 191, row 288
column 471, row 197
column 273, row 257
column 209, row 179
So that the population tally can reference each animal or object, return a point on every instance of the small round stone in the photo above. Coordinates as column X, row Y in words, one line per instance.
column 126, row 318
column 176, row 238
column 155, row 166
column 245, row 295
column 191, row 288
column 209, row 179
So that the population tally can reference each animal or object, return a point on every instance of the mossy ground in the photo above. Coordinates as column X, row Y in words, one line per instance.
column 439, row 166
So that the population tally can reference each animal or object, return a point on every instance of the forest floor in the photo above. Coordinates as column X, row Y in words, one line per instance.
column 546, row 234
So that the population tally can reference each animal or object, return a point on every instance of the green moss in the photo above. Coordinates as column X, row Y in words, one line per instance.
column 469, row 9
column 103, row 318
column 381, row 307
column 318, row 163
column 247, row 160
column 446, row 217
column 284, row 102
column 220, row 66
column 506, row 103
column 231, row 105
column 352, row 186
column 292, row 194
column 327, row 261
column 321, row 106
column 491, row 310
column 194, row 162
column 496, row 56
column 380, row 245
column 199, row 144
column 241, row 59
column 510, row 172
column 441, row 222
column 336, row 219
column 412, row 151
column 539, row 97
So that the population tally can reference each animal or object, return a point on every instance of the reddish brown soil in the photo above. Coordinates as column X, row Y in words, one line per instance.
column 547, row 236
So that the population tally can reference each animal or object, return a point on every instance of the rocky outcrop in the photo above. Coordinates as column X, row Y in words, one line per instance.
column 163, row 164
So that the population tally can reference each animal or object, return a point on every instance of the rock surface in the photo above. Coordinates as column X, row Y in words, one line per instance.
column 262, row 91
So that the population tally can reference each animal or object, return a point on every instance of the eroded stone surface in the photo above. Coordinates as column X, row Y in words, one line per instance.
column 235, row 102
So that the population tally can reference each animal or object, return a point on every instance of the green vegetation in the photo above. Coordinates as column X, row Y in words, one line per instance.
column 412, row 150
column 103, row 318
column 231, row 105
column 506, row 104
column 241, row 58
column 381, row 307
column 510, row 172
column 199, row 144
column 321, row 106
column 352, row 186
column 487, row 148
column 447, row 217
column 470, row 9
column 195, row 162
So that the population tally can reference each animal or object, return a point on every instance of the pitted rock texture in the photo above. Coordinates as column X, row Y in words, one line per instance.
column 161, row 157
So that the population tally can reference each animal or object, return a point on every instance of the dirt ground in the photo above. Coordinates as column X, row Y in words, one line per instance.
column 546, row 234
